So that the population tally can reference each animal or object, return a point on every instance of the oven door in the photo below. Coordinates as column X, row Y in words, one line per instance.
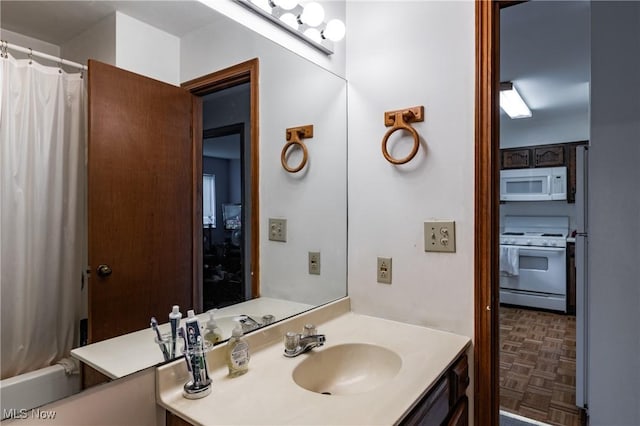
column 541, row 270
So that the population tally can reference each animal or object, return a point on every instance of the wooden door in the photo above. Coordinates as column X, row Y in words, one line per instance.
column 140, row 200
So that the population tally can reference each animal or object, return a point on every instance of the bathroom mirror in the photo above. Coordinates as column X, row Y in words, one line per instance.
column 292, row 92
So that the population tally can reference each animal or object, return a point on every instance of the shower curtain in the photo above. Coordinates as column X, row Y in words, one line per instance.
column 42, row 179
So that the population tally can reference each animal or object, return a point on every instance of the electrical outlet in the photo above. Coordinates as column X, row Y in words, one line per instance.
column 440, row 235
column 278, row 230
column 314, row 262
column 384, row 270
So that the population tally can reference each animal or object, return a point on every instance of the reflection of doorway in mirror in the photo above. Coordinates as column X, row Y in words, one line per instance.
column 225, row 248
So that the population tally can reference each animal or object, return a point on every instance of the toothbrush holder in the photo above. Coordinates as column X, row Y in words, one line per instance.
column 199, row 384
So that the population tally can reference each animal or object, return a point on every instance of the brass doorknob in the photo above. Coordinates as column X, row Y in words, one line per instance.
column 104, row 270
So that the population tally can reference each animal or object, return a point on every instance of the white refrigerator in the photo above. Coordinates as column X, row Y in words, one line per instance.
column 582, row 276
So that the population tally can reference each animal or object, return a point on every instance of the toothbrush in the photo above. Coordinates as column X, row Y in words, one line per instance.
column 163, row 348
column 184, row 339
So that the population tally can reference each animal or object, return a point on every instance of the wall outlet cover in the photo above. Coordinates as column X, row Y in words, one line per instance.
column 384, row 270
column 440, row 235
column 314, row 262
column 278, row 230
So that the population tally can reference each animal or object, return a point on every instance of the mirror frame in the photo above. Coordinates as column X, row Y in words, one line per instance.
column 244, row 72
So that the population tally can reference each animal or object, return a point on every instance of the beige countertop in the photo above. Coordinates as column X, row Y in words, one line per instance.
column 126, row 354
column 267, row 394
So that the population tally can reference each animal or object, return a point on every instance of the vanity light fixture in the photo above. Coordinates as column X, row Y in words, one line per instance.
column 511, row 102
column 306, row 22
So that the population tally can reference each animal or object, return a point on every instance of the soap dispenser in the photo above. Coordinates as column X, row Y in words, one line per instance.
column 212, row 332
column 237, row 352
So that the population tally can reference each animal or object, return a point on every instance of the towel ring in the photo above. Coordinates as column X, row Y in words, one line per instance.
column 294, row 137
column 399, row 120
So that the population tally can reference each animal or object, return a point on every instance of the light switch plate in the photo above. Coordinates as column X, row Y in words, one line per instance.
column 278, row 230
column 384, row 270
column 314, row 262
column 440, row 235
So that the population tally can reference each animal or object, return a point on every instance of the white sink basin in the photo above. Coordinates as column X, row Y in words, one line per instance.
column 347, row 369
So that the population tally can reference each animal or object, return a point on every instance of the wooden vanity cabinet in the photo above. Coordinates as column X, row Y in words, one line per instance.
column 446, row 403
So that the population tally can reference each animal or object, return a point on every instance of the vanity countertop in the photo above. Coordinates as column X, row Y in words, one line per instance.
column 132, row 352
column 267, row 394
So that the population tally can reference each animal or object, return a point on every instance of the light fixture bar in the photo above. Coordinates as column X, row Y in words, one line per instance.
column 326, row 46
column 512, row 103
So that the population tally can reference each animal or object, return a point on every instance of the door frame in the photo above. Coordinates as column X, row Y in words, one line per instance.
column 486, row 216
column 228, row 130
column 245, row 72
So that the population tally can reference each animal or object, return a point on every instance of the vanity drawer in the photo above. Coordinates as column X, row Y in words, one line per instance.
column 459, row 377
column 432, row 408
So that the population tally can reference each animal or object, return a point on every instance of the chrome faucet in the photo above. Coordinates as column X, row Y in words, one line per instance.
column 296, row 344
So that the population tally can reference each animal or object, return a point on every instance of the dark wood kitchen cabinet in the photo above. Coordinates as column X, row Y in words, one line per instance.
column 548, row 156
column 515, row 158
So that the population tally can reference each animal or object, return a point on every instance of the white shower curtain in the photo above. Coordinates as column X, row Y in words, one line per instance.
column 42, row 178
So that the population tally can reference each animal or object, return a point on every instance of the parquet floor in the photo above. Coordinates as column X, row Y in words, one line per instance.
column 538, row 365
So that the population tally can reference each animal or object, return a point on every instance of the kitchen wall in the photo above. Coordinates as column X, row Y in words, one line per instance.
column 539, row 208
column 614, row 210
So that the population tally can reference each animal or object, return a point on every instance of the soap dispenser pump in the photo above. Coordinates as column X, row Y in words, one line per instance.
column 237, row 352
column 212, row 333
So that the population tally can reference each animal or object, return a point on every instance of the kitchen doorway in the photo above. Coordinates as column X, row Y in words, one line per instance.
column 537, row 279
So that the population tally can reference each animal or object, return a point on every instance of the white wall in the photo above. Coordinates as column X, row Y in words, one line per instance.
column 146, row 50
column 293, row 92
column 402, row 54
column 614, row 208
column 533, row 131
column 388, row 204
column 97, row 42
column 29, row 42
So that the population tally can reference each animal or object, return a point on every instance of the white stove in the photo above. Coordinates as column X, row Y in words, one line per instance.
column 540, row 239
column 533, row 261
column 541, row 231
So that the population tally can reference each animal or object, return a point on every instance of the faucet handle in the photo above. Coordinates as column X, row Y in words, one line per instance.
column 291, row 341
column 309, row 330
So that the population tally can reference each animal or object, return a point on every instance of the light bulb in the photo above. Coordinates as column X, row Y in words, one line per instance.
column 313, row 34
column 312, row 14
column 286, row 4
column 262, row 4
column 335, row 30
column 290, row 19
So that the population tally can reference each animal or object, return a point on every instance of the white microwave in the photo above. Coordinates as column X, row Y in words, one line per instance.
column 540, row 184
